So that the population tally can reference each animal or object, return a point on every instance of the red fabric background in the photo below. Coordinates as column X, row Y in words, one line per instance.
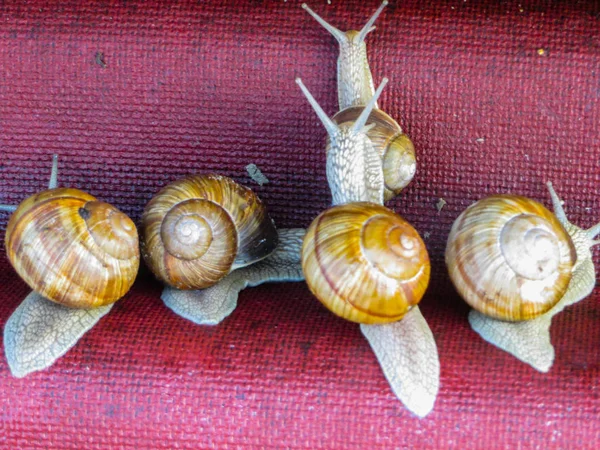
column 208, row 86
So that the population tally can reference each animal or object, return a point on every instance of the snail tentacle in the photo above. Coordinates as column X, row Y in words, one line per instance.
column 359, row 125
column 211, row 305
column 8, row 208
column 330, row 125
column 593, row 232
column 369, row 25
column 52, row 183
column 338, row 34
column 40, row 331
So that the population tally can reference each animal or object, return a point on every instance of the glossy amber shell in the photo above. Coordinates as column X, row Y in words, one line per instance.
column 73, row 249
column 365, row 263
column 509, row 257
column 197, row 229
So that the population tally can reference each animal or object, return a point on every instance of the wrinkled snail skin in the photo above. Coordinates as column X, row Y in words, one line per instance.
column 355, row 82
column 211, row 305
column 395, row 149
column 198, row 229
column 73, row 249
column 365, row 263
column 354, row 167
column 512, row 259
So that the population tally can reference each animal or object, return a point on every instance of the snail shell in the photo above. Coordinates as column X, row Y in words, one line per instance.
column 509, row 257
column 395, row 149
column 196, row 230
column 73, row 249
column 365, row 263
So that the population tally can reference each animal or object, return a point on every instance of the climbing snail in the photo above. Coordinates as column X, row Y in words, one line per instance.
column 361, row 260
column 369, row 147
column 365, row 263
column 395, row 149
column 377, row 136
column 198, row 229
column 512, row 259
column 79, row 255
column 73, row 249
column 355, row 82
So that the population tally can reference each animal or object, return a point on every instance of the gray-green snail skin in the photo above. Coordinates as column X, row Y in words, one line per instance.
column 517, row 319
column 356, row 173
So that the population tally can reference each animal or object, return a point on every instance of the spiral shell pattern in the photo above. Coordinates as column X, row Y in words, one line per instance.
column 509, row 257
column 73, row 249
column 365, row 263
column 196, row 230
column 395, row 148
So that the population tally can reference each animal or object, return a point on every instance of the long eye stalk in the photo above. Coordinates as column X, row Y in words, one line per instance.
column 369, row 25
column 364, row 115
column 339, row 35
column 329, row 124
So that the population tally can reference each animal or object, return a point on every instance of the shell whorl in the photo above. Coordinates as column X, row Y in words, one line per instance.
column 395, row 149
column 509, row 257
column 73, row 249
column 365, row 263
column 196, row 230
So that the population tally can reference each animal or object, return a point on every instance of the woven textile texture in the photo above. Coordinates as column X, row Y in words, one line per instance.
column 497, row 97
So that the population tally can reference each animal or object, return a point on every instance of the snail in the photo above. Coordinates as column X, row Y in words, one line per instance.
column 204, row 235
column 517, row 265
column 356, row 94
column 368, row 265
column 197, row 229
column 79, row 255
column 365, row 263
column 355, row 82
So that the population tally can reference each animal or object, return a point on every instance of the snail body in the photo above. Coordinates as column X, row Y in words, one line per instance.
column 363, row 141
column 355, row 82
column 511, row 259
column 365, row 263
column 395, row 149
column 73, row 249
column 198, row 229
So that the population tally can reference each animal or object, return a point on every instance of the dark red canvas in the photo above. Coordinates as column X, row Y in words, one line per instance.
column 497, row 97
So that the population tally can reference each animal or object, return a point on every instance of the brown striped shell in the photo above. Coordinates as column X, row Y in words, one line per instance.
column 197, row 229
column 73, row 249
column 509, row 257
column 365, row 263
column 395, row 148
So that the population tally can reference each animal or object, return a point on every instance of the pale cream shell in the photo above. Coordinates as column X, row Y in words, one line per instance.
column 509, row 257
